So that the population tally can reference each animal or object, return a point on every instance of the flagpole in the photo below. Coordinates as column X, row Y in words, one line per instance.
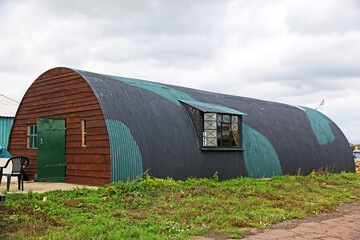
column 322, row 107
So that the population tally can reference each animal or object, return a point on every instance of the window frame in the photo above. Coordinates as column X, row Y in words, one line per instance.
column 31, row 135
column 83, row 133
column 196, row 111
column 219, row 125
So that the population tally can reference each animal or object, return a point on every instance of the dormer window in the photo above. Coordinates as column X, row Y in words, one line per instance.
column 221, row 130
column 217, row 127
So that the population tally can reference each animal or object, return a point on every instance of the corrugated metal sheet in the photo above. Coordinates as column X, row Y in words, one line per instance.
column 278, row 136
column 207, row 107
column 166, row 92
column 320, row 125
column 5, row 128
column 260, row 164
column 8, row 107
column 126, row 159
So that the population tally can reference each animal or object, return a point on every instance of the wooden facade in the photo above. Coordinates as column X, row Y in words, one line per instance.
column 63, row 93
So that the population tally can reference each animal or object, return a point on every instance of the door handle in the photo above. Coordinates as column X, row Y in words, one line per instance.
column 40, row 140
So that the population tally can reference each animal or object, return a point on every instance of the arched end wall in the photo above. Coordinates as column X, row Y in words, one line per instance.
column 63, row 93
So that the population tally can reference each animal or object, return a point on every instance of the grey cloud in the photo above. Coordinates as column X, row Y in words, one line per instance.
column 325, row 57
column 141, row 17
column 323, row 16
column 173, row 34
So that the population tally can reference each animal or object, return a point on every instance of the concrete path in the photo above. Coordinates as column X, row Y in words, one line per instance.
column 40, row 187
column 343, row 224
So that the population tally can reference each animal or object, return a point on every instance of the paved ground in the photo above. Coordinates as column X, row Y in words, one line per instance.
column 343, row 224
column 40, row 187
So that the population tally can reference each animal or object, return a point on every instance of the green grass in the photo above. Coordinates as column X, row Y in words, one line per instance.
column 152, row 208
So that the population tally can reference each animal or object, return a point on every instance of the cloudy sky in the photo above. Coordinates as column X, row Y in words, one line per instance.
column 294, row 52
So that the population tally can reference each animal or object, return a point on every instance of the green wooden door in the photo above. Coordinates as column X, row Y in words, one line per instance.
column 51, row 164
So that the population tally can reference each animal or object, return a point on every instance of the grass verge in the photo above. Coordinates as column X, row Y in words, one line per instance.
column 152, row 208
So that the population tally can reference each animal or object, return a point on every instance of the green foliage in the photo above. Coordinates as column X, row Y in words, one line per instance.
column 152, row 208
column 236, row 234
column 354, row 145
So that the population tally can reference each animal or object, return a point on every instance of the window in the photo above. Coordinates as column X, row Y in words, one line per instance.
column 32, row 137
column 218, row 128
column 83, row 133
column 210, row 133
column 221, row 130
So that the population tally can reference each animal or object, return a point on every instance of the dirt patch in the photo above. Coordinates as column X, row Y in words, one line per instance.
column 213, row 237
column 5, row 228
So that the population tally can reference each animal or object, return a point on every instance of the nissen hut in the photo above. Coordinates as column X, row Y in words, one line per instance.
column 88, row 128
column 8, row 109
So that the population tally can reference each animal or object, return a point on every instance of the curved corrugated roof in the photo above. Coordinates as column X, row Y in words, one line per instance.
column 8, row 107
column 277, row 138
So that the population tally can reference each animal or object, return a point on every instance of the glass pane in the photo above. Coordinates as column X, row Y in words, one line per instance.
column 210, row 116
column 225, row 127
column 209, row 125
column 211, row 142
column 234, row 127
column 35, row 129
column 226, row 118
column 226, row 135
column 30, row 142
column 234, row 119
column 235, row 137
column 30, row 130
column 210, row 133
column 35, row 142
column 226, row 142
column 219, row 118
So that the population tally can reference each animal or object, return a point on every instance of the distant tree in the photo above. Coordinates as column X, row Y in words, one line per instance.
column 354, row 145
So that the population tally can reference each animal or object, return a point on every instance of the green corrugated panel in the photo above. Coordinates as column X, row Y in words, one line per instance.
column 213, row 107
column 126, row 161
column 320, row 126
column 5, row 128
column 260, row 157
column 170, row 94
